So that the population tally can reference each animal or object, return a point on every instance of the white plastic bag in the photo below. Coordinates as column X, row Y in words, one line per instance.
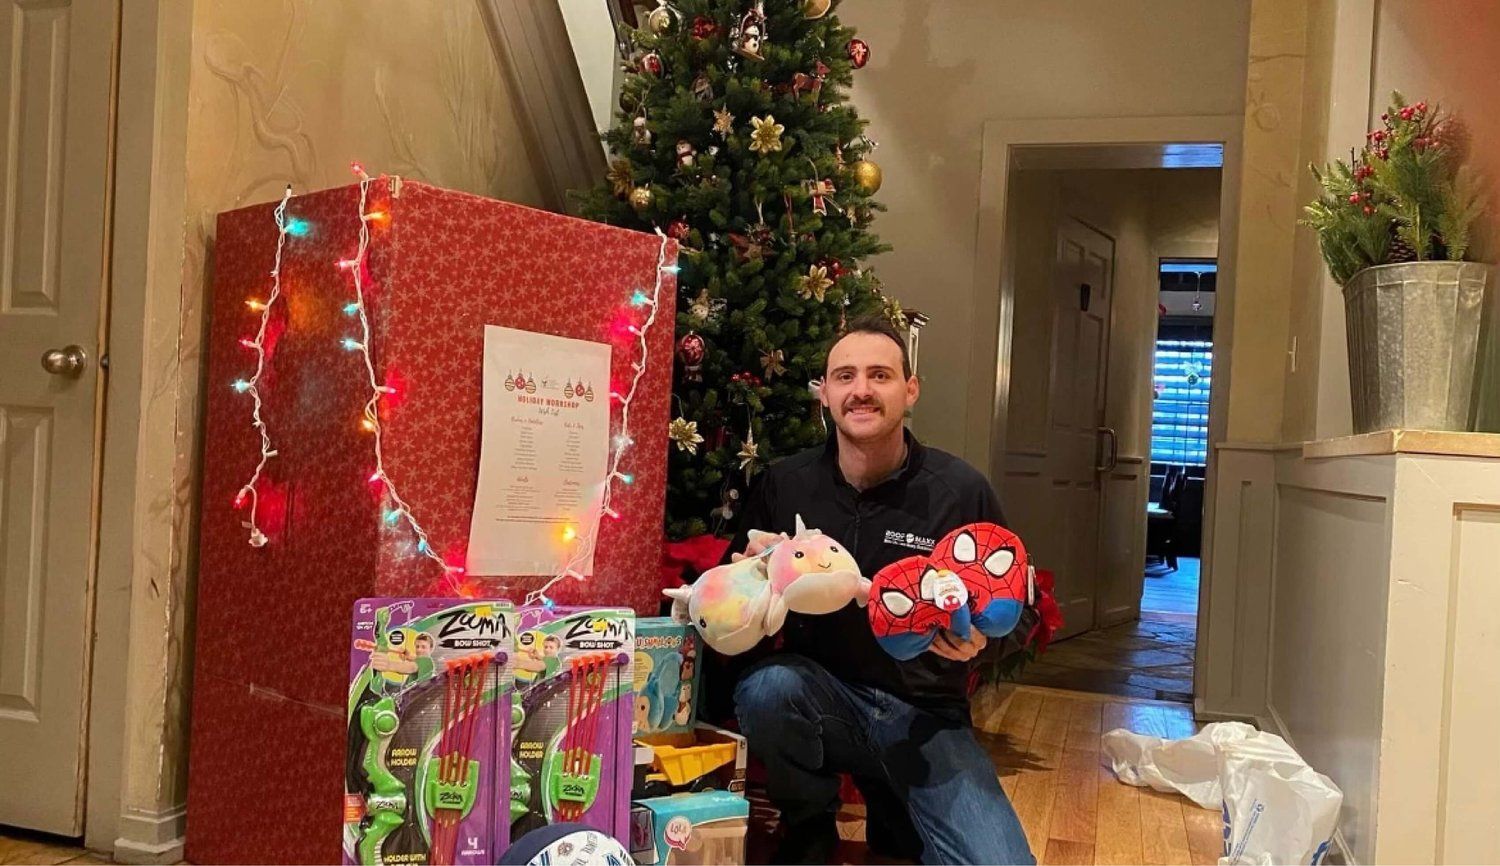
column 1189, row 767
column 1276, row 808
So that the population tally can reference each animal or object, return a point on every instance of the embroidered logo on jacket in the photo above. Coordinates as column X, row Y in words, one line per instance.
column 909, row 540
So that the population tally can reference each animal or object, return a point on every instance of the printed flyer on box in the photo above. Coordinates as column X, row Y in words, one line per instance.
column 544, row 453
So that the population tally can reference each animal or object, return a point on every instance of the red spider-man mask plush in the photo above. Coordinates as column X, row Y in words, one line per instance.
column 976, row 576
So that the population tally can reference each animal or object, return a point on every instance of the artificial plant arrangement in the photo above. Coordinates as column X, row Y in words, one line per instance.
column 1406, row 196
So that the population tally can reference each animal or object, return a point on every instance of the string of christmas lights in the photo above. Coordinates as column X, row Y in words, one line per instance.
column 249, row 494
column 585, row 548
column 397, row 509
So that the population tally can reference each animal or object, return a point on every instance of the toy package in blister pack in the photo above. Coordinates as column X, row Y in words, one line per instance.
column 426, row 777
column 573, row 706
column 667, row 676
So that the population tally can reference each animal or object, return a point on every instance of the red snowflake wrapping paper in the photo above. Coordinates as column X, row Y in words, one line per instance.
column 272, row 622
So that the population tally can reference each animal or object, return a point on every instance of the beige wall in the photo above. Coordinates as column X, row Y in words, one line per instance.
column 1269, row 209
column 1434, row 58
column 941, row 68
column 1281, row 293
column 276, row 92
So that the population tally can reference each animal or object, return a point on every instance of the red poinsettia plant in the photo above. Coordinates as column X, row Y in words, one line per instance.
column 1040, row 620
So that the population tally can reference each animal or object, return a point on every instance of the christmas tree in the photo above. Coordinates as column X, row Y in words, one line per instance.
column 735, row 137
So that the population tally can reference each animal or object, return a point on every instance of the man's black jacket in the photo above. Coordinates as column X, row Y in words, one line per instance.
column 932, row 494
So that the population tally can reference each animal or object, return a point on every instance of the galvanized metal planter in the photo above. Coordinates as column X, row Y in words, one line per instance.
column 1413, row 332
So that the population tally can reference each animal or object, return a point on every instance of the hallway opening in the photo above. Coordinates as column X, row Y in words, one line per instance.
column 1112, row 251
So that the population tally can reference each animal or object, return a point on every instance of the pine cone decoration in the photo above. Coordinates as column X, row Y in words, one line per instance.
column 1453, row 137
column 1399, row 251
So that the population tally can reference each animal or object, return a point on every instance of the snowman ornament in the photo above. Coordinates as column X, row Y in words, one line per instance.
column 751, row 33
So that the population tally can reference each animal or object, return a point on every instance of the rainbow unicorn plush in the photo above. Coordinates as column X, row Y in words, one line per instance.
column 735, row 606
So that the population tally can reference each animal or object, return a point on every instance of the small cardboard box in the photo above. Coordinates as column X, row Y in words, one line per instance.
column 706, row 827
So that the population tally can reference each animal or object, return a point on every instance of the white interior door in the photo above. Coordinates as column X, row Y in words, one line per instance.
column 1083, row 288
column 56, row 61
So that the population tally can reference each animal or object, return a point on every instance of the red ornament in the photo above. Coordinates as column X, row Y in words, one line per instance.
column 859, row 53
column 704, row 28
column 678, row 230
column 836, row 269
column 690, row 351
column 651, row 63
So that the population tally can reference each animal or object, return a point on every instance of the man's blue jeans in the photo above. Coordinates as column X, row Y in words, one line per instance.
column 807, row 726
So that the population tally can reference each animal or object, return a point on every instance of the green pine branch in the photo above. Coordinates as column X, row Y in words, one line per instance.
column 1406, row 188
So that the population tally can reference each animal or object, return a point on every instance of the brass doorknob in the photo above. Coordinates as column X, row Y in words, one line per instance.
column 67, row 361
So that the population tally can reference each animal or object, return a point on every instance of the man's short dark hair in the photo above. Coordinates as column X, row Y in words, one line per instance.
column 871, row 324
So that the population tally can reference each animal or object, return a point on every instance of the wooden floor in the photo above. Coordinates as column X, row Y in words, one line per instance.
column 1046, row 748
column 21, row 846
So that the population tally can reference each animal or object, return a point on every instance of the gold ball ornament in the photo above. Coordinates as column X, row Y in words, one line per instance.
column 814, row 9
column 642, row 197
column 660, row 19
column 867, row 176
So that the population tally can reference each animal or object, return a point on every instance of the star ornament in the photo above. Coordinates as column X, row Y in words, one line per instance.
column 815, row 284
column 684, row 434
column 723, row 122
column 749, row 453
column 766, row 137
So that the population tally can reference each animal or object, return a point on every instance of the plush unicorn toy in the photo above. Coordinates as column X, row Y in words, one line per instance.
column 735, row 606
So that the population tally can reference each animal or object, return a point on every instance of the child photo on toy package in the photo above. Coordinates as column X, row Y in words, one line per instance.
column 573, row 709
column 429, row 723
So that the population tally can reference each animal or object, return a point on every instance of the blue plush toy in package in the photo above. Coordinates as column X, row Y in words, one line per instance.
column 667, row 675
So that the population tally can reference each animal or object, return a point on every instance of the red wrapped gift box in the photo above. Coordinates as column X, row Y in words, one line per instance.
column 272, row 623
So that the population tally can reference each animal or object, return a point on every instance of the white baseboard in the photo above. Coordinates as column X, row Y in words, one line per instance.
column 1207, row 715
column 147, row 838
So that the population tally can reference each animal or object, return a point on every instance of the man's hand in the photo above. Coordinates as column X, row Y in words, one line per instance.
column 759, row 541
column 951, row 646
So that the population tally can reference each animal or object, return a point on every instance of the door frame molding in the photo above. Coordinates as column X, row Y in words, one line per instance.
column 135, row 826
column 994, row 283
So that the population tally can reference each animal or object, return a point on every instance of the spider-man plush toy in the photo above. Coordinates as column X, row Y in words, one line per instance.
column 977, row 576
